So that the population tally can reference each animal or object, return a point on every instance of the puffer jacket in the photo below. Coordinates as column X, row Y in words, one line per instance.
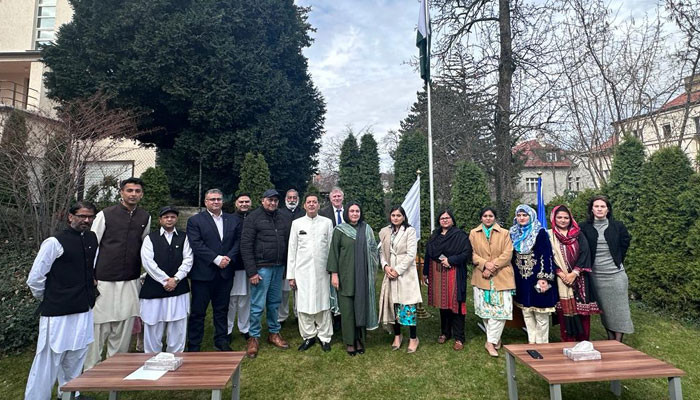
column 264, row 239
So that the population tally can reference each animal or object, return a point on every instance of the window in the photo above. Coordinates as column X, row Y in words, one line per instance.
column 551, row 157
column 667, row 131
column 530, row 184
column 637, row 133
column 45, row 22
column 574, row 183
column 696, row 122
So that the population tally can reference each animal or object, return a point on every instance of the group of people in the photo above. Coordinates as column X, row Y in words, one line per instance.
column 575, row 271
column 91, row 289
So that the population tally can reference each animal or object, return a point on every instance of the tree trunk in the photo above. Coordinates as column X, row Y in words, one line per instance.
column 504, row 155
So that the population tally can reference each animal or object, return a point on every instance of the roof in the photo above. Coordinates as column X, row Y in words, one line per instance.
column 606, row 145
column 532, row 152
column 681, row 100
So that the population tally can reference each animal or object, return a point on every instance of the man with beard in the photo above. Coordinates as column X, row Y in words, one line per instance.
column 62, row 278
column 239, row 302
column 264, row 252
column 293, row 211
column 120, row 231
column 309, row 243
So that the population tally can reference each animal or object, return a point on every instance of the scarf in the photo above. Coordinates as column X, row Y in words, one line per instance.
column 487, row 231
column 568, row 244
column 366, row 265
column 524, row 237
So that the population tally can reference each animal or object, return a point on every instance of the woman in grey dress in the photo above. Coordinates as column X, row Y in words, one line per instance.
column 609, row 240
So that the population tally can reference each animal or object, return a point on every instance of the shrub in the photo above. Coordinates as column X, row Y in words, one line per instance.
column 469, row 194
column 156, row 193
column 623, row 188
column 19, row 322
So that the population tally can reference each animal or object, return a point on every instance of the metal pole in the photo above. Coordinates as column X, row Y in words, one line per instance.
column 430, row 128
column 199, row 197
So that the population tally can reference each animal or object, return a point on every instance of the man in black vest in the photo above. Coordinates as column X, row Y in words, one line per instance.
column 165, row 298
column 214, row 237
column 239, row 303
column 120, row 230
column 62, row 278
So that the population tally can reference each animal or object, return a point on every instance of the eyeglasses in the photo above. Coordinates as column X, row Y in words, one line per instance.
column 81, row 216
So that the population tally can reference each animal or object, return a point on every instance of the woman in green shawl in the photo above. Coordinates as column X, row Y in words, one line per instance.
column 353, row 262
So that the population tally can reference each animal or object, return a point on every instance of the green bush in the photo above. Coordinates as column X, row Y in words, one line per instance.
column 156, row 193
column 255, row 178
column 469, row 194
column 19, row 322
column 623, row 188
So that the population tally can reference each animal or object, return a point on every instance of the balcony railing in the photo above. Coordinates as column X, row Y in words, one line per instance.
column 19, row 96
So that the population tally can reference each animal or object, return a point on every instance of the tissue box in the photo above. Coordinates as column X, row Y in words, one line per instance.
column 163, row 362
column 582, row 352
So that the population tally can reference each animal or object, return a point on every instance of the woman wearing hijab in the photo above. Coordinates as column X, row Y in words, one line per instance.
column 608, row 241
column 445, row 273
column 573, row 266
column 492, row 278
column 535, row 292
column 400, row 293
column 352, row 262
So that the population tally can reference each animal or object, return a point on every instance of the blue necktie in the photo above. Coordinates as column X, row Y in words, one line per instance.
column 340, row 221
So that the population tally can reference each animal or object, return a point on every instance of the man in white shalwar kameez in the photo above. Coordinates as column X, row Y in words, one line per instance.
column 165, row 295
column 120, row 230
column 62, row 278
column 307, row 254
column 239, row 302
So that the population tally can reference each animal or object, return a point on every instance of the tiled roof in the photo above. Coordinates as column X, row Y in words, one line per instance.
column 531, row 150
column 681, row 100
column 606, row 145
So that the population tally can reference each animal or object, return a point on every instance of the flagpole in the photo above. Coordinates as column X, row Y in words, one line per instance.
column 430, row 130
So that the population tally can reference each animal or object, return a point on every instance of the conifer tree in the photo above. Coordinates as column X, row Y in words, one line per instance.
column 371, row 195
column 13, row 148
column 623, row 188
column 412, row 155
column 255, row 177
column 348, row 178
column 156, row 193
column 469, row 194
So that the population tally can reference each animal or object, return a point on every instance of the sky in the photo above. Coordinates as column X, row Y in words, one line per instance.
column 359, row 62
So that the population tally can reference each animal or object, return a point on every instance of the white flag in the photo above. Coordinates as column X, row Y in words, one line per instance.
column 411, row 204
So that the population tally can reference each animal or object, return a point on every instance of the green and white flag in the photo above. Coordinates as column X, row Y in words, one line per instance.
column 423, row 41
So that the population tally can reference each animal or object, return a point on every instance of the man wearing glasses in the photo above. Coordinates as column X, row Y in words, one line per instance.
column 62, row 278
column 214, row 239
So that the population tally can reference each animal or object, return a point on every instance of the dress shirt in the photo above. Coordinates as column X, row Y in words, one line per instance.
column 219, row 222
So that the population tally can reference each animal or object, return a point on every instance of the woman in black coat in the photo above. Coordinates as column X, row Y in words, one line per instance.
column 608, row 241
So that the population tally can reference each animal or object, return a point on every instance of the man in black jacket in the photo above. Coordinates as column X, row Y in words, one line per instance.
column 264, row 252
column 213, row 236
column 335, row 210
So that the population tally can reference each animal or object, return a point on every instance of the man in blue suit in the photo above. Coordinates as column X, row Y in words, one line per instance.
column 214, row 239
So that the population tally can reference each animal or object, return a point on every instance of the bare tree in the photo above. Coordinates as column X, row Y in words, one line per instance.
column 52, row 162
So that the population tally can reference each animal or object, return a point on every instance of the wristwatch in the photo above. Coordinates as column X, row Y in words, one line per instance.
column 177, row 280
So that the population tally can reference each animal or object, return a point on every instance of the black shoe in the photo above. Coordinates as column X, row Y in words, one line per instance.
column 326, row 346
column 246, row 336
column 307, row 344
column 81, row 397
column 223, row 347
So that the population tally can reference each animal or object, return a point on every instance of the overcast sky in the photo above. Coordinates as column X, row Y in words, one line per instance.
column 359, row 56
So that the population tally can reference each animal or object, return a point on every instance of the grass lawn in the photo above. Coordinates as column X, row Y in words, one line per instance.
column 435, row 371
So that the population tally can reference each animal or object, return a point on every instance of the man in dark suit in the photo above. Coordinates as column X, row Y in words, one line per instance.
column 334, row 211
column 214, row 238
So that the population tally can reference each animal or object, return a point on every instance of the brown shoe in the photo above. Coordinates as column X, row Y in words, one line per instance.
column 491, row 349
column 276, row 340
column 442, row 339
column 458, row 345
column 252, row 350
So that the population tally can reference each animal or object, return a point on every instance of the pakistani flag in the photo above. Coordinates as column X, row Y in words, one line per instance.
column 423, row 41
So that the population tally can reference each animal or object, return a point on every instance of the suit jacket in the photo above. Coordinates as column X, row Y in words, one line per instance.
column 329, row 212
column 207, row 245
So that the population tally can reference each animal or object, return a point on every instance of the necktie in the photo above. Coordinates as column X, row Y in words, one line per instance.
column 340, row 220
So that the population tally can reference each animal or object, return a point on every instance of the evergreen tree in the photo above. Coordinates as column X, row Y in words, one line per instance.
column 348, row 178
column 469, row 194
column 156, row 192
column 255, row 178
column 217, row 79
column 623, row 188
column 412, row 155
column 658, row 262
column 371, row 195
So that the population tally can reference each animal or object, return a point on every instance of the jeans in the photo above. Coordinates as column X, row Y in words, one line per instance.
column 267, row 292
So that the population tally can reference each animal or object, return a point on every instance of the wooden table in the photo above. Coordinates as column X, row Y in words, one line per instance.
column 199, row 371
column 619, row 361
